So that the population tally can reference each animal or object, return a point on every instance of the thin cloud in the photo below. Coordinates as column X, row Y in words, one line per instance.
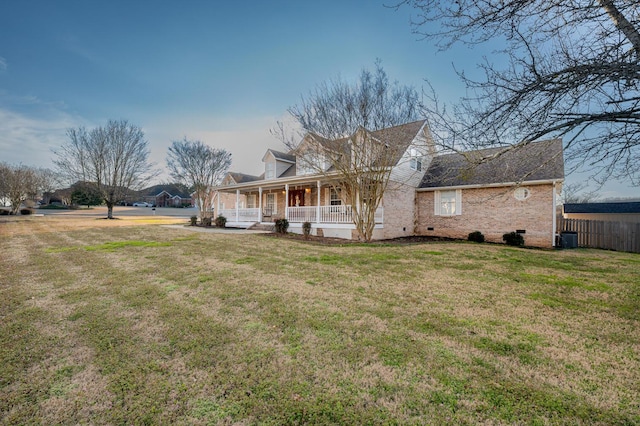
column 74, row 45
column 30, row 138
column 3, row 64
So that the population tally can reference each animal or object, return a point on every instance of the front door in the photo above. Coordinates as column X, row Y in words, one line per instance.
column 296, row 197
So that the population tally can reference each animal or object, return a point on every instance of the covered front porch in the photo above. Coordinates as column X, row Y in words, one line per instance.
column 315, row 202
column 314, row 214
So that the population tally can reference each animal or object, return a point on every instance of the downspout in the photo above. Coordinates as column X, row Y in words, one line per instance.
column 553, row 234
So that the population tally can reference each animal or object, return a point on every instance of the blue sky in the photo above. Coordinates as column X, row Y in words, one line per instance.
column 220, row 71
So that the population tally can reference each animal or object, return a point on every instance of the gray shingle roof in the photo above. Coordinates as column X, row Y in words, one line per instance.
column 399, row 137
column 283, row 156
column 172, row 189
column 241, row 177
column 531, row 162
column 617, row 207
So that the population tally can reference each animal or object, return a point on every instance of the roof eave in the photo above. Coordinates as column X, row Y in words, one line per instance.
column 492, row 185
column 277, row 182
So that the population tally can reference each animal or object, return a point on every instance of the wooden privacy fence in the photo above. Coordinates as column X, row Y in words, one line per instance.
column 620, row 236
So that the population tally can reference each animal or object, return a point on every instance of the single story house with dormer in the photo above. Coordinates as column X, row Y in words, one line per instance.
column 431, row 193
column 168, row 195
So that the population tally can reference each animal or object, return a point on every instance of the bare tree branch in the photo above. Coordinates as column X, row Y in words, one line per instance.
column 113, row 159
column 338, row 118
column 573, row 72
column 200, row 167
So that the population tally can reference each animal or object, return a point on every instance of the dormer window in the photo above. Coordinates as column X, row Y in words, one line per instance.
column 305, row 165
column 310, row 164
column 270, row 170
column 415, row 160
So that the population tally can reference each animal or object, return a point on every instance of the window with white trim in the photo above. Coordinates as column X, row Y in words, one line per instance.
column 271, row 204
column 270, row 170
column 448, row 203
column 334, row 198
column 521, row 193
column 251, row 201
column 310, row 164
column 415, row 160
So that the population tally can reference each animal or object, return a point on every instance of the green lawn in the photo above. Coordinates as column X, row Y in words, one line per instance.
column 150, row 325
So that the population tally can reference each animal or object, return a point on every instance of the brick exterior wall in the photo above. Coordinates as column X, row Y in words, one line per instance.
column 399, row 211
column 494, row 212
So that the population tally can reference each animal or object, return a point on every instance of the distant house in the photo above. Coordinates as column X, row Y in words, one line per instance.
column 168, row 195
column 493, row 191
column 608, row 212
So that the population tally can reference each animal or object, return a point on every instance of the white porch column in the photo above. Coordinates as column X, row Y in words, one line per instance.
column 286, row 201
column 260, row 204
column 237, row 205
column 318, row 206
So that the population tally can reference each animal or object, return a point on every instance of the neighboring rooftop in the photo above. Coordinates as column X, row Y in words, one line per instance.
column 172, row 189
column 531, row 162
column 617, row 207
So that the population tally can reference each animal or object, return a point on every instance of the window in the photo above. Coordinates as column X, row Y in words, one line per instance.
column 334, row 197
column 270, row 170
column 308, row 164
column 448, row 203
column 415, row 162
column 521, row 194
column 271, row 203
column 251, row 201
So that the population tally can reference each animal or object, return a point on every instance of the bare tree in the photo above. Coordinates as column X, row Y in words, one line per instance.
column 50, row 180
column 4, row 186
column 19, row 184
column 112, row 159
column 573, row 71
column 336, row 109
column 199, row 167
column 338, row 118
column 575, row 193
column 359, row 167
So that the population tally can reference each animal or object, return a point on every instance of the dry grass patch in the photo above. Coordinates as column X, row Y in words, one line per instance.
column 149, row 325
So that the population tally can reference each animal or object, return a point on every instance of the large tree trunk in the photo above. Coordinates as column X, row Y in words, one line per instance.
column 109, row 210
column 623, row 24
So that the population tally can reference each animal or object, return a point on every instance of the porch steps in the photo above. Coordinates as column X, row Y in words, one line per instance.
column 262, row 227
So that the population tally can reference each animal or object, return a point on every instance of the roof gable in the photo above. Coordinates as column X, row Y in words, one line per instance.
column 401, row 136
column 279, row 156
column 529, row 162
column 398, row 138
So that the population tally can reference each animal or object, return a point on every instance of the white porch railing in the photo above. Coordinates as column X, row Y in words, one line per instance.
column 243, row 215
column 328, row 214
column 302, row 214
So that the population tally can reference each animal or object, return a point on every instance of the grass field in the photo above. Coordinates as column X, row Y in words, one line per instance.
column 121, row 322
